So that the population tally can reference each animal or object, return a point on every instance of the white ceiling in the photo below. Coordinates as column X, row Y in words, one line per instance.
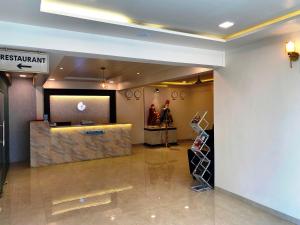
column 197, row 16
column 194, row 16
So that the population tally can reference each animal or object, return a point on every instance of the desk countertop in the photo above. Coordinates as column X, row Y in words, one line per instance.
column 159, row 128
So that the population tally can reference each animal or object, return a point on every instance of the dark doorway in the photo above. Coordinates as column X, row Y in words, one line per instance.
column 4, row 131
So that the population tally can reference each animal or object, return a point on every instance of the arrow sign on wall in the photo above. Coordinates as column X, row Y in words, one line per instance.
column 22, row 61
column 20, row 66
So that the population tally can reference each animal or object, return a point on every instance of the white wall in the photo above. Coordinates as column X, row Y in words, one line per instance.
column 257, row 125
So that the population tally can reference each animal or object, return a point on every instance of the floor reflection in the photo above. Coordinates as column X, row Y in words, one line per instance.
column 87, row 200
column 150, row 187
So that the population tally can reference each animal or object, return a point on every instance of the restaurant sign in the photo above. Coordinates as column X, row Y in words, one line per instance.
column 21, row 61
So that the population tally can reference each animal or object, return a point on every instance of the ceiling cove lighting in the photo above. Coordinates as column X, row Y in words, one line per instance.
column 226, row 25
column 178, row 83
column 291, row 51
column 82, row 11
column 154, row 25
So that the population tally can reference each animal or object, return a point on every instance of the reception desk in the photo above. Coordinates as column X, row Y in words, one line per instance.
column 54, row 145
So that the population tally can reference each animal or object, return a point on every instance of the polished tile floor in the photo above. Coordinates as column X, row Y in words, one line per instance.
column 150, row 187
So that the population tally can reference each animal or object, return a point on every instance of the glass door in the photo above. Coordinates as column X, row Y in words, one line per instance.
column 4, row 131
column 2, row 140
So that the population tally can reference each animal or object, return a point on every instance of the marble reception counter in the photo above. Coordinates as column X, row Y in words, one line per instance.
column 77, row 143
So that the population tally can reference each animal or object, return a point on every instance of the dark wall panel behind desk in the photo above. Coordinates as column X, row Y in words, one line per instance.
column 22, row 109
column 81, row 92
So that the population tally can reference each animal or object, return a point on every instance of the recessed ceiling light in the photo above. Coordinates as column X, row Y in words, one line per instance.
column 61, row 68
column 51, row 79
column 138, row 73
column 82, row 11
column 226, row 24
column 153, row 216
column 22, row 75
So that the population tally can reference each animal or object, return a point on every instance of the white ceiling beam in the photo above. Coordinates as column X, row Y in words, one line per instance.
column 20, row 36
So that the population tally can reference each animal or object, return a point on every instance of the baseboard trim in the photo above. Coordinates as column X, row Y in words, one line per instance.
column 262, row 207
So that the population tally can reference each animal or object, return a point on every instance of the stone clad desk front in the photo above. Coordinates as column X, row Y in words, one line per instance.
column 77, row 143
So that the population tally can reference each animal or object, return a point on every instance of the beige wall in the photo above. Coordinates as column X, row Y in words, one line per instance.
column 178, row 107
column 196, row 99
column 39, row 96
column 201, row 100
column 131, row 111
column 136, row 111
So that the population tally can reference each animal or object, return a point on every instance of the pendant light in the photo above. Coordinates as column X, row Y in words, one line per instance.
column 198, row 82
column 103, row 82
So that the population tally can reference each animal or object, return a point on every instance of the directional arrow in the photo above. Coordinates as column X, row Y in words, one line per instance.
column 20, row 66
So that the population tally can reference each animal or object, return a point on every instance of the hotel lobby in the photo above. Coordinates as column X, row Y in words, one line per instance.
column 134, row 112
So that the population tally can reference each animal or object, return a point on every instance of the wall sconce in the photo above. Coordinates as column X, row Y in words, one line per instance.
column 291, row 50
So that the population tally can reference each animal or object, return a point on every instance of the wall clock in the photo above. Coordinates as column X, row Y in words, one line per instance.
column 174, row 95
column 129, row 94
column 137, row 94
column 182, row 95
